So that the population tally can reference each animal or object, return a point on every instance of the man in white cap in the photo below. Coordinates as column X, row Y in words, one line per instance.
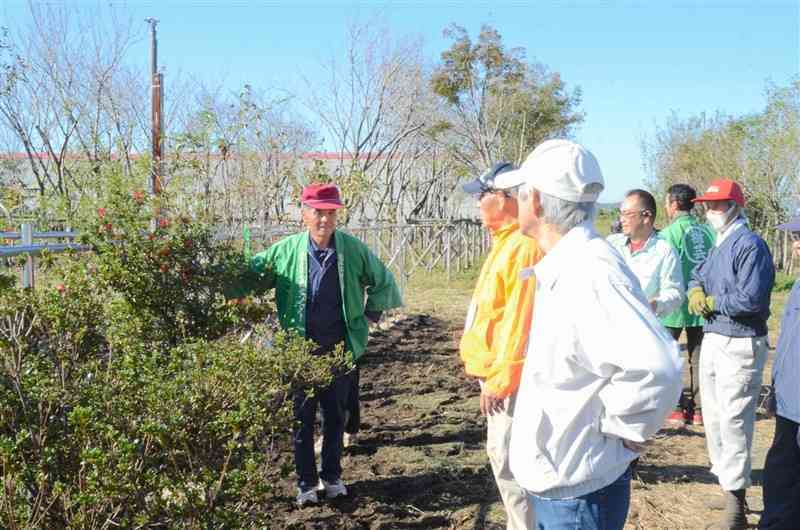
column 601, row 373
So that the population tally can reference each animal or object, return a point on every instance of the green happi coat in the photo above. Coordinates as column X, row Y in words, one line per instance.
column 284, row 266
column 692, row 241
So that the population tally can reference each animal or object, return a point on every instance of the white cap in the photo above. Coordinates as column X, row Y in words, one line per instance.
column 559, row 168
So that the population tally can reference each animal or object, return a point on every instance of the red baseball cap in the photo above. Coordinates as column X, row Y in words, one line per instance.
column 321, row 197
column 723, row 190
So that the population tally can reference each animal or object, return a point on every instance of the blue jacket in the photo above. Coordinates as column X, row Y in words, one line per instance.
column 739, row 274
column 786, row 370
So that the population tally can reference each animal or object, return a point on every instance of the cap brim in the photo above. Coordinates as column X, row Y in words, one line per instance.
column 509, row 179
column 323, row 205
column 473, row 187
column 792, row 226
column 712, row 197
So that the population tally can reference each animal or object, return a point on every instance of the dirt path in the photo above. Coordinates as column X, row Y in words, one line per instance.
column 420, row 460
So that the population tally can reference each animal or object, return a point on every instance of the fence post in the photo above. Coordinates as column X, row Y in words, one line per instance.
column 447, row 240
column 26, row 230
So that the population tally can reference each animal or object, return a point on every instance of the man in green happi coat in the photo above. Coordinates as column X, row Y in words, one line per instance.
column 328, row 285
column 692, row 241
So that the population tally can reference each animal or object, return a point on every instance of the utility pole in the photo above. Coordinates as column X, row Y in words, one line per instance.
column 157, row 83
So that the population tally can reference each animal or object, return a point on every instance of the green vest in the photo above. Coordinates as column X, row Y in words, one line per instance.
column 284, row 266
column 692, row 241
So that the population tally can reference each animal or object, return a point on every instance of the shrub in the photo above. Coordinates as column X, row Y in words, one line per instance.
column 127, row 398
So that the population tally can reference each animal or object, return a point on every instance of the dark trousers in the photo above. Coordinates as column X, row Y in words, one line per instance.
column 353, row 413
column 333, row 402
column 690, row 397
column 782, row 479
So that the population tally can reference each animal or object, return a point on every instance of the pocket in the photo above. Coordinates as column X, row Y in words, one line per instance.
column 746, row 353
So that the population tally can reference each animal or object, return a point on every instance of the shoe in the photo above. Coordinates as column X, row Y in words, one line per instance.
column 306, row 497
column 676, row 420
column 349, row 440
column 334, row 489
column 318, row 446
column 697, row 418
column 734, row 516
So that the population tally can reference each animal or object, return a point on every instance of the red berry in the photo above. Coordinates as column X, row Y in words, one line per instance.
column 101, row 213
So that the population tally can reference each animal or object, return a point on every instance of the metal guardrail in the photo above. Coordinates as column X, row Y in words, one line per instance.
column 26, row 235
column 16, row 250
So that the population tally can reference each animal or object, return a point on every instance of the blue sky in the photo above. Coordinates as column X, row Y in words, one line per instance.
column 636, row 62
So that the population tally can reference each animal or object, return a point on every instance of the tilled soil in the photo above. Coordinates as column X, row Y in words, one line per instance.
column 420, row 459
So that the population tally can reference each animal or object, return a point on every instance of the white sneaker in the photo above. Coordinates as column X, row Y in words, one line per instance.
column 349, row 439
column 334, row 489
column 318, row 446
column 306, row 497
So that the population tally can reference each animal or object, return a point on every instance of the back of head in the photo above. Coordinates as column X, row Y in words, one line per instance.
column 682, row 195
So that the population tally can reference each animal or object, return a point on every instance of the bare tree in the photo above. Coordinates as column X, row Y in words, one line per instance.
column 78, row 105
column 370, row 108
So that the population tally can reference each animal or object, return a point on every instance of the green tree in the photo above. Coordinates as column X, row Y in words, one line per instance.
column 499, row 105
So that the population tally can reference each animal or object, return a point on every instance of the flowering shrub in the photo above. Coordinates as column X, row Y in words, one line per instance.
column 127, row 398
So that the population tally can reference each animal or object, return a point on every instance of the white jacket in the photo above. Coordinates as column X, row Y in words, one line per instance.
column 600, row 368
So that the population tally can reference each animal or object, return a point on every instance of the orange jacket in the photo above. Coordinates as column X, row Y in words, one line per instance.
column 499, row 319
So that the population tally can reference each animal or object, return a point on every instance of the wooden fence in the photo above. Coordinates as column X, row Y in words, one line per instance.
column 407, row 249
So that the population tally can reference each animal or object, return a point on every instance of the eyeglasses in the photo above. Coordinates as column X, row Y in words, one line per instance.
column 795, row 235
column 630, row 213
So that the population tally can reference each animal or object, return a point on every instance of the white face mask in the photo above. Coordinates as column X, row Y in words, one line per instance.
column 718, row 220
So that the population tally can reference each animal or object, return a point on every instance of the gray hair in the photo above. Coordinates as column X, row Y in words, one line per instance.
column 562, row 214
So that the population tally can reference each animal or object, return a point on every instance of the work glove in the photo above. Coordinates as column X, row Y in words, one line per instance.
column 698, row 301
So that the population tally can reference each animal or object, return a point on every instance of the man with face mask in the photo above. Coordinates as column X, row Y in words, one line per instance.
column 731, row 289
column 495, row 333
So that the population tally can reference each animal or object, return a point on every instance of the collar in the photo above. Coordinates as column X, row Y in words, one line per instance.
column 731, row 228
column 313, row 247
column 506, row 230
column 561, row 256
column 651, row 240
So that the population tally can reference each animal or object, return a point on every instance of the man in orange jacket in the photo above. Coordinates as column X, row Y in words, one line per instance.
column 496, row 331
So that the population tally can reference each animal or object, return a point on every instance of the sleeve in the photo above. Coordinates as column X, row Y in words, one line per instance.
column 511, row 338
column 257, row 275
column 382, row 291
column 670, row 294
column 698, row 276
column 755, row 276
column 643, row 372
column 489, row 300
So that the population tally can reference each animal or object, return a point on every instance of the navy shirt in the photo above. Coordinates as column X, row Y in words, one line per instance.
column 324, row 319
column 739, row 274
column 786, row 370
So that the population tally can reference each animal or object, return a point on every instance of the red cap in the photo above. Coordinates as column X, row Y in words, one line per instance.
column 321, row 197
column 723, row 190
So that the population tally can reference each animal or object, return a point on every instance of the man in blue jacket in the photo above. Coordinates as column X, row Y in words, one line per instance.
column 782, row 469
column 731, row 289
